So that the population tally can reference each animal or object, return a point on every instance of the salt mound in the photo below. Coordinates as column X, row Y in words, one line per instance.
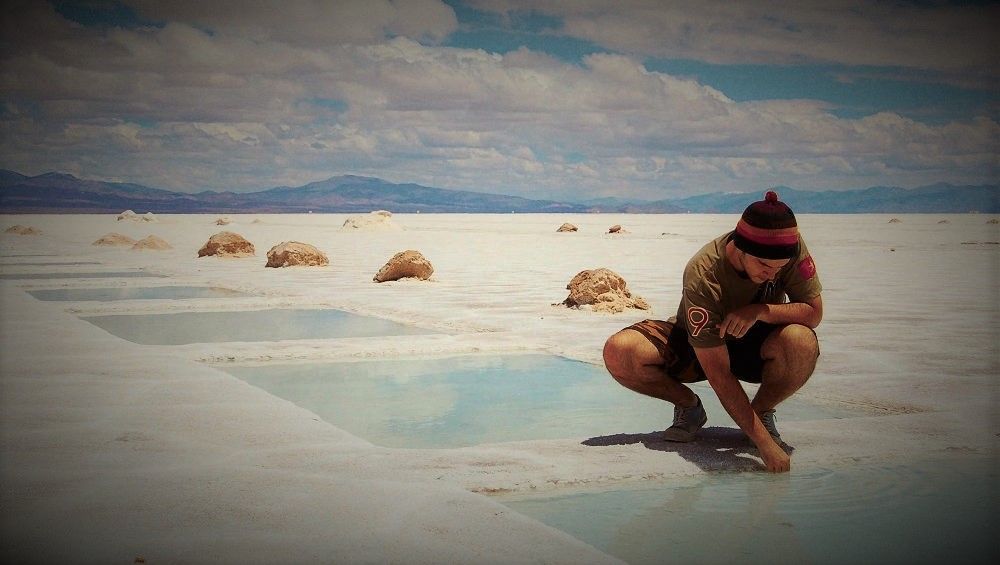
column 222, row 222
column 993, row 221
column 604, row 290
column 114, row 239
column 895, row 221
column 567, row 227
column 130, row 215
column 23, row 230
column 379, row 220
column 291, row 253
column 616, row 229
column 151, row 242
column 227, row 244
column 405, row 264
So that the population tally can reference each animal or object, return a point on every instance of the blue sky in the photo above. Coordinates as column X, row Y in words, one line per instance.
column 567, row 99
column 854, row 91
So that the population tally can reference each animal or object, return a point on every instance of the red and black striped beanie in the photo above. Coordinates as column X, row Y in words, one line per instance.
column 768, row 229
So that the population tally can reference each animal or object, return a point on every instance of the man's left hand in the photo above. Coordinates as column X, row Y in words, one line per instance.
column 739, row 321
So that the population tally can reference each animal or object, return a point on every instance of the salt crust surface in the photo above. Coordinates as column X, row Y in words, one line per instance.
column 115, row 450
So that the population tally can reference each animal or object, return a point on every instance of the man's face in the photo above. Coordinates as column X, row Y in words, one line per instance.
column 762, row 270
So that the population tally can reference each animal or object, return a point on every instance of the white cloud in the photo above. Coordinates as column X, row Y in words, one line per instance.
column 944, row 37
column 316, row 23
column 239, row 108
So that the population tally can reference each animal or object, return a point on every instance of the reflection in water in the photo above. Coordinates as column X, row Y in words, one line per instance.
column 134, row 293
column 106, row 275
column 256, row 325
column 457, row 401
column 941, row 511
column 468, row 400
column 50, row 264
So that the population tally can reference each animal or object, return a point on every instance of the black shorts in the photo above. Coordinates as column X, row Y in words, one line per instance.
column 671, row 340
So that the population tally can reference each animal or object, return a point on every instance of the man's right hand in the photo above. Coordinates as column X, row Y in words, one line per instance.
column 715, row 361
column 775, row 458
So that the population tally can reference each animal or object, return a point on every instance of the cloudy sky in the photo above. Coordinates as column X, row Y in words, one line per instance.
column 566, row 99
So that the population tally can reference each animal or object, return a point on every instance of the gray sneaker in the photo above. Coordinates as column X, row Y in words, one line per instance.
column 687, row 421
column 767, row 418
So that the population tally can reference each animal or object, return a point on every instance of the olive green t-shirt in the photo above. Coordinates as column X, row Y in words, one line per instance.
column 713, row 288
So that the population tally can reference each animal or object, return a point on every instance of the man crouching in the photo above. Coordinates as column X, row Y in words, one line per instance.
column 733, row 324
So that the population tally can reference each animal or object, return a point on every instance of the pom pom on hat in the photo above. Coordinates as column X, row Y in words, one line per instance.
column 768, row 229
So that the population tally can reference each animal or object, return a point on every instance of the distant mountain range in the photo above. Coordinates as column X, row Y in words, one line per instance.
column 62, row 193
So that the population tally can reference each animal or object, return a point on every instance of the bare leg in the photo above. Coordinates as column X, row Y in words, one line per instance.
column 790, row 355
column 635, row 363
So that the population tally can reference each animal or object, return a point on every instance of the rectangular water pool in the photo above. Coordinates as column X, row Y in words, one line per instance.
column 49, row 264
column 108, row 275
column 253, row 325
column 469, row 400
column 133, row 293
column 929, row 512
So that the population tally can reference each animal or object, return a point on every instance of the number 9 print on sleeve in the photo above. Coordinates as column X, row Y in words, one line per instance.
column 697, row 320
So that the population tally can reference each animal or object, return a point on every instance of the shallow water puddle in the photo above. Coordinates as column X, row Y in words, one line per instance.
column 470, row 400
column 133, row 293
column 930, row 512
column 107, row 275
column 7, row 256
column 49, row 264
column 254, row 325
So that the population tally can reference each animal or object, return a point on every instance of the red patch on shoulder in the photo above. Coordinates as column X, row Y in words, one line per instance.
column 807, row 268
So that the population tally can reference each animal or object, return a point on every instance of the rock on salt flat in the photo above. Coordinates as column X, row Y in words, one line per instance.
column 227, row 244
column 604, row 290
column 567, row 227
column 23, row 230
column 293, row 253
column 132, row 216
column 405, row 264
column 151, row 242
column 379, row 220
column 114, row 239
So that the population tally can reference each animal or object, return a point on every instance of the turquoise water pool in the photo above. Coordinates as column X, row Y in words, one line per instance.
column 133, row 293
column 105, row 275
column 469, row 400
column 48, row 264
column 254, row 325
column 932, row 512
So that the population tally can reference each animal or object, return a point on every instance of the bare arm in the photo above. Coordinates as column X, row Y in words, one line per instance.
column 808, row 313
column 739, row 322
column 715, row 362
